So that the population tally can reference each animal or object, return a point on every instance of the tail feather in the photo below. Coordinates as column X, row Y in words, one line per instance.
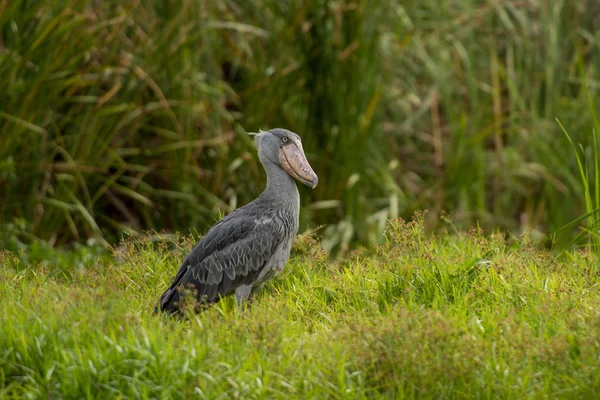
column 168, row 302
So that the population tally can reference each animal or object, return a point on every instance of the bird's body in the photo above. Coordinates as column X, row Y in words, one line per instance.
column 250, row 245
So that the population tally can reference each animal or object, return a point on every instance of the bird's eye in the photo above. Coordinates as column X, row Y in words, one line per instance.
column 284, row 139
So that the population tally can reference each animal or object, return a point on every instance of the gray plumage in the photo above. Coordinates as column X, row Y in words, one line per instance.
column 247, row 247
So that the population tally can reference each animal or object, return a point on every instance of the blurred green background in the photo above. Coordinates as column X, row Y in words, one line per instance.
column 120, row 117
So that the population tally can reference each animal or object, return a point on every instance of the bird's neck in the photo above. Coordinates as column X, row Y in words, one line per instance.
column 281, row 187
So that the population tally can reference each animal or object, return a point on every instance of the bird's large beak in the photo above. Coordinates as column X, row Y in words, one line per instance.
column 294, row 161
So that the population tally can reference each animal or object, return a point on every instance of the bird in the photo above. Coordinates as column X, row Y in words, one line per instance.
column 247, row 247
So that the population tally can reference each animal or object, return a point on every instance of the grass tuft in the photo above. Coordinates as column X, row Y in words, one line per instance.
column 588, row 162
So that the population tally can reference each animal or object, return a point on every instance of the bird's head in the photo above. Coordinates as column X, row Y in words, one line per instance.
column 284, row 148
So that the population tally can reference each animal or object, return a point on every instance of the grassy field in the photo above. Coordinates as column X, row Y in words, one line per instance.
column 419, row 316
column 118, row 119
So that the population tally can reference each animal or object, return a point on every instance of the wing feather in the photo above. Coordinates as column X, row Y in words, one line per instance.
column 232, row 253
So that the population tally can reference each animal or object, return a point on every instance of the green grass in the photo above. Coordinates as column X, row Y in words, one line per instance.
column 475, row 90
column 588, row 161
column 119, row 118
column 111, row 124
column 418, row 316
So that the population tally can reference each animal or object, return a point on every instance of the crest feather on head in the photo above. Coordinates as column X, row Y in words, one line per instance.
column 257, row 135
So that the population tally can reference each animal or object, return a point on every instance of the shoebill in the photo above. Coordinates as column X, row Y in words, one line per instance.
column 251, row 244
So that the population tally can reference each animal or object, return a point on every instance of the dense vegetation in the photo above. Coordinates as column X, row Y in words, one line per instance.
column 122, row 117
column 129, row 120
column 453, row 316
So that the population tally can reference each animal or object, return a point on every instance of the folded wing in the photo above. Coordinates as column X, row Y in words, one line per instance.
column 232, row 253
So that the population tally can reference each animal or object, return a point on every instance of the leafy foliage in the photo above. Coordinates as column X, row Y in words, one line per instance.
column 115, row 118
